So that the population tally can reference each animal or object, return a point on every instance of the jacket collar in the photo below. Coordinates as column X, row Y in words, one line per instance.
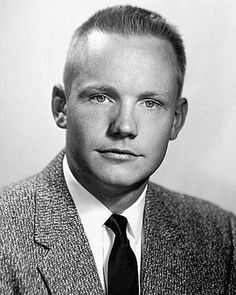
column 68, row 264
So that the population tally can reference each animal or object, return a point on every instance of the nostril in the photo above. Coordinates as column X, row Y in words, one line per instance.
column 123, row 128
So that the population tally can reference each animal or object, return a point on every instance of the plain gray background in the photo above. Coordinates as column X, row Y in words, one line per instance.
column 34, row 38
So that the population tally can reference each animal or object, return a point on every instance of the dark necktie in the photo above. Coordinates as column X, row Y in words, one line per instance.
column 122, row 264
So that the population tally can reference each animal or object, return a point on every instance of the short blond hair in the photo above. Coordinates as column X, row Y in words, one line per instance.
column 128, row 21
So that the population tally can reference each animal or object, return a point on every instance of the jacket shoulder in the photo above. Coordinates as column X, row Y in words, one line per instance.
column 24, row 190
column 17, row 208
column 186, row 204
column 194, row 214
column 197, row 216
column 206, row 228
column 18, row 191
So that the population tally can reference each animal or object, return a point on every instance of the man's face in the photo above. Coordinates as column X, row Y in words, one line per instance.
column 121, row 111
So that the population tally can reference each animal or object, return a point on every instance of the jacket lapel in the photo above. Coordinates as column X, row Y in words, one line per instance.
column 162, row 235
column 176, row 257
column 68, row 266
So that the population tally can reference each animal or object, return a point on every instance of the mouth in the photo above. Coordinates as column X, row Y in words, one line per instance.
column 118, row 154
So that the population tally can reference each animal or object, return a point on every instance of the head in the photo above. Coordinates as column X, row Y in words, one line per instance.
column 121, row 102
column 126, row 21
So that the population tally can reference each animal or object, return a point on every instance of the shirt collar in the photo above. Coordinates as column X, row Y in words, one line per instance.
column 94, row 214
column 134, row 215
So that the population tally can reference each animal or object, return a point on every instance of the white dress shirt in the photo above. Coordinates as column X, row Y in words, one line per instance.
column 93, row 215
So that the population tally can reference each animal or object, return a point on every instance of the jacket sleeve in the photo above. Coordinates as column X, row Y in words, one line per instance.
column 232, row 279
column 7, row 280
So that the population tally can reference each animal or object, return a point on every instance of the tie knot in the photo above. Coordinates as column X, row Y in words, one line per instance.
column 117, row 223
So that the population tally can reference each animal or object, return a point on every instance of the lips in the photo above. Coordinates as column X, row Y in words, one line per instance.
column 118, row 154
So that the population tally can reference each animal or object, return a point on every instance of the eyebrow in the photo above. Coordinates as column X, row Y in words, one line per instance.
column 87, row 90
column 150, row 93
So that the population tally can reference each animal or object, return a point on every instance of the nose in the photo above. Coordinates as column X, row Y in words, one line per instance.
column 123, row 124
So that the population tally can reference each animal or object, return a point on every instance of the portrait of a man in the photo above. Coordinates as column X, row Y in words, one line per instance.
column 92, row 222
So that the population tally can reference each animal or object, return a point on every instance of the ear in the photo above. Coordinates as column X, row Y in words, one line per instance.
column 179, row 117
column 59, row 106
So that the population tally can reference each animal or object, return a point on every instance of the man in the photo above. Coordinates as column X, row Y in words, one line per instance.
column 91, row 222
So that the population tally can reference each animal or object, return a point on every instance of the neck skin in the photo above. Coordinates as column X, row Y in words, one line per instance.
column 116, row 198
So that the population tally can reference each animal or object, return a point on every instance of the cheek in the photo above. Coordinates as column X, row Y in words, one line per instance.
column 85, row 127
column 155, row 141
column 156, row 132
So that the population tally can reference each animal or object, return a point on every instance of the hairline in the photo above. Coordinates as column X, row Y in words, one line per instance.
column 79, row 40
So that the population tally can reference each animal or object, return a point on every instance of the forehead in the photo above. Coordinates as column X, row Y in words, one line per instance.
column 98, row 42
column 125, row 57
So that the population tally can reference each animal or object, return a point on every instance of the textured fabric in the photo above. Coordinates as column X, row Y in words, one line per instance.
column 189, row 244
column 122, row 266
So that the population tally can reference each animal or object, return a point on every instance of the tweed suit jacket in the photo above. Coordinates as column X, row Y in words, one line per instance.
column 189, row 244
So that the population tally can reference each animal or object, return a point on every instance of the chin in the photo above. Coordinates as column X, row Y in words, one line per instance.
column 122, row 180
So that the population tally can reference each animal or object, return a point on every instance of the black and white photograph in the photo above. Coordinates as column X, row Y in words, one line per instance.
column 117, row 150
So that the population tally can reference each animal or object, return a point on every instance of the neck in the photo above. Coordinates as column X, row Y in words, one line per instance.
column 116, row 198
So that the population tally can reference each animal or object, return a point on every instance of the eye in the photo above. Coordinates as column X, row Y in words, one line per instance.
column 100, row 98
column 150, row 104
